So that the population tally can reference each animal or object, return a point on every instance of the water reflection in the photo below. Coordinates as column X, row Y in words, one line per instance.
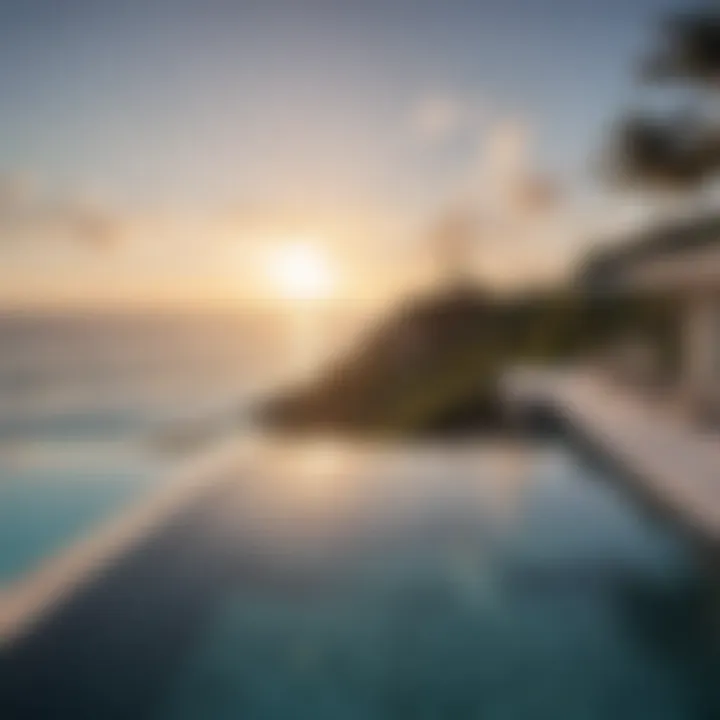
column 325, row 580
column 327, row 499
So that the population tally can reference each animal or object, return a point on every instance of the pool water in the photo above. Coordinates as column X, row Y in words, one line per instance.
column 474, row 584
column 324, row 581
column 54, row 494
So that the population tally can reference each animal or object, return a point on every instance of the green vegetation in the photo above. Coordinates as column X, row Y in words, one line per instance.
column 677, row 150
column 436, row 361
column 434, row 364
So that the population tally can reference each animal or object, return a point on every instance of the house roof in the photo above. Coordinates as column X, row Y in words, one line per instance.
column 605, row 266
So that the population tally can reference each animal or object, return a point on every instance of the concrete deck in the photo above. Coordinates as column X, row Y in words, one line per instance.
column 678, row 463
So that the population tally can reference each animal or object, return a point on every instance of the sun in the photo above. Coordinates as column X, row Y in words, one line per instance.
column 301, row 271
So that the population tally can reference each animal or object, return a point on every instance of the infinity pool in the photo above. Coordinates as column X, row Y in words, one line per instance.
column 53, row 494
column 488, row 581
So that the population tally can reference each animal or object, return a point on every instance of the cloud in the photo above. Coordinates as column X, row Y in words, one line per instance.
column 503, row 179
column 501, row 162
column 90, row 223
column 504, row 220
column 436, row 119
column 29, row 213
column 16, row 192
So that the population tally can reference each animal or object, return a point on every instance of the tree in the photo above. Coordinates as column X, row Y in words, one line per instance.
column 689, row 50
column 680, row 149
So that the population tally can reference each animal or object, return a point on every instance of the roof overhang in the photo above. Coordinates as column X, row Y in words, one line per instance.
column 683, row 258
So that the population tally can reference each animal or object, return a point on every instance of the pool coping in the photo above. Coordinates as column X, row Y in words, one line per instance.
column 26, row 600
column 551, row 395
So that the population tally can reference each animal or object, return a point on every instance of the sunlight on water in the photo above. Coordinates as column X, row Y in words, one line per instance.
column 327, row 579
column 480, row 582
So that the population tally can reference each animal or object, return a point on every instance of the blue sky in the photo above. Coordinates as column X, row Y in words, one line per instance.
column 180, row 107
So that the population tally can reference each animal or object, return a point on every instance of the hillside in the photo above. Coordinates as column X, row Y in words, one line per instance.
column 432, row 364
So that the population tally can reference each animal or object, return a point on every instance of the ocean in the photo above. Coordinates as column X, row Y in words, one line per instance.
column 97, row 408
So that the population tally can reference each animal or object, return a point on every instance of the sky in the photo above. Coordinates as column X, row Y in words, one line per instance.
column 150, row 150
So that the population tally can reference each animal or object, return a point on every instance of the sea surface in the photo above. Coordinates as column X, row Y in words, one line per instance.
column 98, row 408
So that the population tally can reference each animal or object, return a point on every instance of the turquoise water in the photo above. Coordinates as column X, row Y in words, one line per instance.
column 493, row 581
column 43, row 509
column 485, row 584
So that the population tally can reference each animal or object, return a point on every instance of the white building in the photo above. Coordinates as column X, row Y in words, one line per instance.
column 683, row 262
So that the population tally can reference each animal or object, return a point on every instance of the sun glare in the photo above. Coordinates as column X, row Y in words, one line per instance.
column 300, row 271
